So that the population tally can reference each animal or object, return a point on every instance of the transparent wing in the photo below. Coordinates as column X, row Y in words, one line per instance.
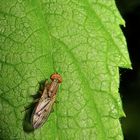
column 42, row 111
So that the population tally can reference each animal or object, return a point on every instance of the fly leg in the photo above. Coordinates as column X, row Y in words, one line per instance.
column 30, row 106
column 47, row 84
column 43, row 86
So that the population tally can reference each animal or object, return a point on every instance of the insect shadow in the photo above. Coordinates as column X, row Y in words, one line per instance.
column 27, row 127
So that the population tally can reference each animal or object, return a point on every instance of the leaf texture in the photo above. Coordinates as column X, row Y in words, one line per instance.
column 81, row 40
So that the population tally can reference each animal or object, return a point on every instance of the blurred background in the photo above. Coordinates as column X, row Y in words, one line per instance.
column 130, row 79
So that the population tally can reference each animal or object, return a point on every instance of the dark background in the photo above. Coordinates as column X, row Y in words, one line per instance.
column 130, row 79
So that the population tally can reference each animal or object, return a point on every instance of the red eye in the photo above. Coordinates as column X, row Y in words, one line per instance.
column 56, row 76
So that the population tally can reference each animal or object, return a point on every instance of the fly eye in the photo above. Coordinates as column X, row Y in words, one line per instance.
column 56, row 76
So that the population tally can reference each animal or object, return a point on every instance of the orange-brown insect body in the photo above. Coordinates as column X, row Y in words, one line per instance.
column 43, row 108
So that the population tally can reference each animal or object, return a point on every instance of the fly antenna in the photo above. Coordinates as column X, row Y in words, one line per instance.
column 53, row 63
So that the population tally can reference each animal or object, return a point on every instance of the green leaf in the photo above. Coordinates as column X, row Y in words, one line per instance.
column 81, row 40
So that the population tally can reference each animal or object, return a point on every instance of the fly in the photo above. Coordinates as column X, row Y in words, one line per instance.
column 44, row 106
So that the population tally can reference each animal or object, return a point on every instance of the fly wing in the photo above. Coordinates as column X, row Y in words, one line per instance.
column 42, row 111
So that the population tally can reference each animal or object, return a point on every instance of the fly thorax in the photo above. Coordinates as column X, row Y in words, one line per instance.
column 53, row 87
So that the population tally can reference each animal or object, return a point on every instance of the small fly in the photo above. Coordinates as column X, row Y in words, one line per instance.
column 44, row 106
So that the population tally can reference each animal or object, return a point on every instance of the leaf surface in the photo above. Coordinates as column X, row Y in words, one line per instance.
column 81, row 40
